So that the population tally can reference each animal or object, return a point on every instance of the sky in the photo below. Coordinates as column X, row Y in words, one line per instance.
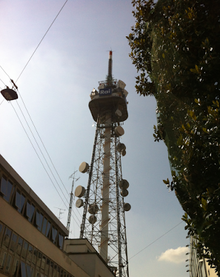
column 49, row 131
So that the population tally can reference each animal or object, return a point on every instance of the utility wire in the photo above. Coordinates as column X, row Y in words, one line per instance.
column 41, row 40
column 64, row 201
column 41, row 141
column 2, row 82
column 40, row 149
column 5, row 71
column 155, row 240
column 37, row 153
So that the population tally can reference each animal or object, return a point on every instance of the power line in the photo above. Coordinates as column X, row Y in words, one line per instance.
column 41, row 40
column 37, row 153
column 155, row 240
column 40, row 149
column 5, row 71
column 64, row 201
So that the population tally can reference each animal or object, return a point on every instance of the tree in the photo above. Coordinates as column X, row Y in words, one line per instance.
column 175, row 47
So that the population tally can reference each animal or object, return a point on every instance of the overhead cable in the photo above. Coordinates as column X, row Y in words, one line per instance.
column 41, row 40
column 155, row 240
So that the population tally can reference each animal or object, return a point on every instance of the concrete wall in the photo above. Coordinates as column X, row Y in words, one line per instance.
column 82, row 253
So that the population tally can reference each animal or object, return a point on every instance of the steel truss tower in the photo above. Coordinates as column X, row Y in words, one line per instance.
column 103, row 220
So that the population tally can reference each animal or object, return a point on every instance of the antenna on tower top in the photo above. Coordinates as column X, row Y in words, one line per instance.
column 109, row 77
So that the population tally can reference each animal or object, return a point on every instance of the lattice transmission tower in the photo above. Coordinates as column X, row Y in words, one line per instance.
column 103, row 219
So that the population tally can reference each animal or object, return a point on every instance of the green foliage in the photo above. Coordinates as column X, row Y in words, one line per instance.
column 175, row 47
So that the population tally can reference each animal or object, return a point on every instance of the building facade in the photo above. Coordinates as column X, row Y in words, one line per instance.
column 198, row 267
column 32, row 239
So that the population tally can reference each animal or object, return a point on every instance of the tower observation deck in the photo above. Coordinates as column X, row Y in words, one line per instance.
column 103, row 201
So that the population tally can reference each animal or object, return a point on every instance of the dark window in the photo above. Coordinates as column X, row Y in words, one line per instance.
column 51, row 268
column 47, row 267
column 54, row 270
column 60, row 241
column 2, row 227
column 39, row 220
column 24, row 249
column 19, row 247
column 30, row 253
column 3, row 255
column 48, row 230
column 8, row 264
column 44, row 226
column 6, row 239
column 54, row 235
column 19, row 201
column 30, row 271
column 3, row 186
column 34, row 258
column 29, row 211
column 23, row 269
column 43, row 262
column 13, row 242
column 6, row 189
column 58, row 271
column 15, row 267
column 39, row 258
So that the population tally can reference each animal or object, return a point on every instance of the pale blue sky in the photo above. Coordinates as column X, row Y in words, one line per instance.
column 55, row 87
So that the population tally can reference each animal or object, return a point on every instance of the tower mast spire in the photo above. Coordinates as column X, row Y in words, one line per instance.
column 109, row 77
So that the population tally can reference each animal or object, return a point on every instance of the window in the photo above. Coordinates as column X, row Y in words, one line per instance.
column 29, row 271
column 29, row 211
column 39, row 258
column 23, row 269
column 2, row 227
column 38, row 220
column 60, row 241
column 43, row 262
column 3, row 255
column 6, row 239
column 3, row 186
column 54, row 270
column 18, row 250
column 19, row 201
column 30, row 253
column 54, row 235
column 48, row 230
column 8, row 263
column 15, row 267
column 51, row 268
column 47, row 267
column 13, row 242
column 24, row 250
column 6, row 189
column 44, row 226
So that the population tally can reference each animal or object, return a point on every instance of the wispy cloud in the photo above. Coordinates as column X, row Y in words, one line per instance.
column 174, row 255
